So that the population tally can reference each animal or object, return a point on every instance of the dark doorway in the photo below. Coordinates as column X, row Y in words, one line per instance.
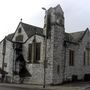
column 87, row 77
column 74, row 78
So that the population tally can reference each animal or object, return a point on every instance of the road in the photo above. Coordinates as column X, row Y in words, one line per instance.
column 68, row 86
column 14, row 88
column 11, row 88
column 88, row 88
column 20, row 88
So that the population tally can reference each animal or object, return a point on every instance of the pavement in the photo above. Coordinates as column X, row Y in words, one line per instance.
column 24, row 86
column 67, row 86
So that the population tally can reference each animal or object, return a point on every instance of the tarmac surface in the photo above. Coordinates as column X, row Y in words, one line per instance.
column 68, row 86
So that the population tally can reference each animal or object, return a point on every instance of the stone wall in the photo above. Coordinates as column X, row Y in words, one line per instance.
column 79, row 68
column 1, row 56
column 9, row 59
column 25, row 37
column 57, row 69
column 58, row 55
column 56, row 44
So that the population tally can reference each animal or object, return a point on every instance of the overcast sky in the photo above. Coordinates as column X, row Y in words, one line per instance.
column 77, row 14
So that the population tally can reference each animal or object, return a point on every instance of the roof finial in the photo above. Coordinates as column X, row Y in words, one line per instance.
column 21, row 20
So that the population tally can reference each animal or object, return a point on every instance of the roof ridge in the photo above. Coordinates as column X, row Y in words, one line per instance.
column 76, row 32
column 76, row 36
column 30, row 25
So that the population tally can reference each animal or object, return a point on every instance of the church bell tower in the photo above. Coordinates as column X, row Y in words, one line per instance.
column 54, row 28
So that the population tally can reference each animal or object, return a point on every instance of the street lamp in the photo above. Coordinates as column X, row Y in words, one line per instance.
column 44, row 8
column 44, row 83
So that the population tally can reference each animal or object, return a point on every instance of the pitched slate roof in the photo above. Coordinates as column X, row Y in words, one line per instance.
column 32, row 30
column 10, row 36
column 75, row 37
column 29, row 29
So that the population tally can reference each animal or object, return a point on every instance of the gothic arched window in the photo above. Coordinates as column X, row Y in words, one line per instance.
column 19, row 30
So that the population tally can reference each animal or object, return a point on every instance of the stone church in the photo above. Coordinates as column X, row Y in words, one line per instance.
column 22, row 53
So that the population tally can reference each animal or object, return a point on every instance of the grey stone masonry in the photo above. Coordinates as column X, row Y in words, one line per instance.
column 67, row 54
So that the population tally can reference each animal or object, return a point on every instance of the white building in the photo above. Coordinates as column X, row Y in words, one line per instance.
column 68, row 54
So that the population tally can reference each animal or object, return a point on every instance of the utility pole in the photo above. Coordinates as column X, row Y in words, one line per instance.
column 3, row 53
column 45, row 60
